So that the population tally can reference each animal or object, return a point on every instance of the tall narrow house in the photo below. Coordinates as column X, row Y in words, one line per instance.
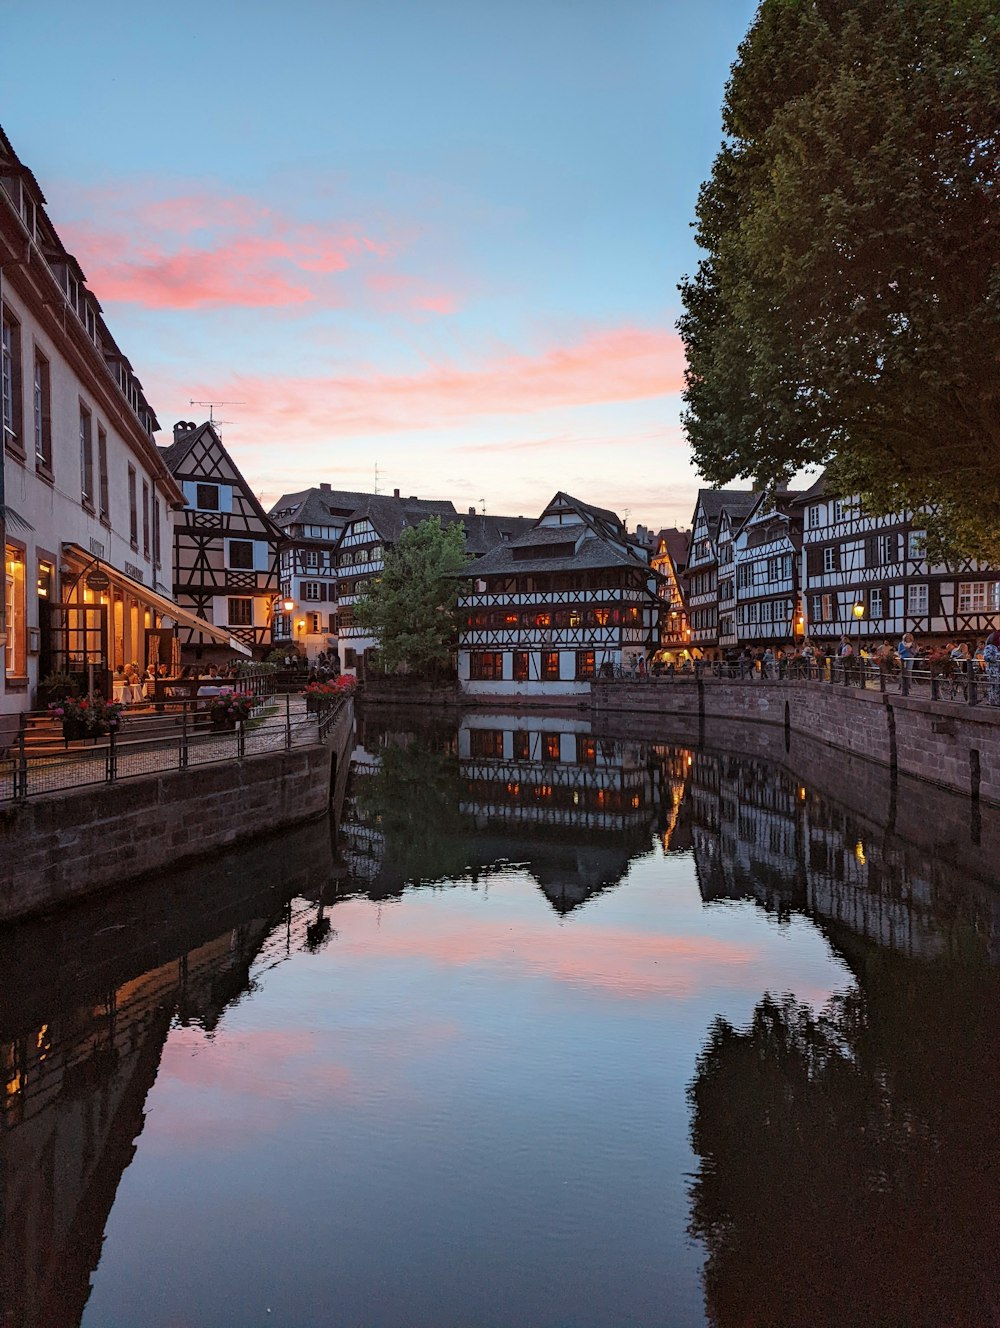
column 225, row 557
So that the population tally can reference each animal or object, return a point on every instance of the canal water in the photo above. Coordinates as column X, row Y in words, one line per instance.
column 549, row 1027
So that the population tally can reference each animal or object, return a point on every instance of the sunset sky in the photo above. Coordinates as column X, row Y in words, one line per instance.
column 443, row 237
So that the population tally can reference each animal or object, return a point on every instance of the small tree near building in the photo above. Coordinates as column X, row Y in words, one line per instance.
column 411, row 610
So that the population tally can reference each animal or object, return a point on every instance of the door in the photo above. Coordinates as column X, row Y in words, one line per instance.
column 78, row 645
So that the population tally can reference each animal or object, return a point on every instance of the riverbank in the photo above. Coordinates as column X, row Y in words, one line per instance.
column 72, row 844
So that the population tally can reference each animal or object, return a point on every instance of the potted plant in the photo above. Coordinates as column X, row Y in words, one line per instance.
column 54, row 687
column 229, row 709
column 86, row 716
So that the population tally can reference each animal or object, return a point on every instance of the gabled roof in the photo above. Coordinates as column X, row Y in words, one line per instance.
column 315, row 507
column 676, row 542
column 737, row 502
column 175, row 453
column 483, row 533
column 391, row 516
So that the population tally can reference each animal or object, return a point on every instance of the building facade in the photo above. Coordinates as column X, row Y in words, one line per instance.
column 766, row 606
column 86, row 501
column 669, row 558
column 571, row 597
column 225, row 553
column 868, row 577
column 702, row 573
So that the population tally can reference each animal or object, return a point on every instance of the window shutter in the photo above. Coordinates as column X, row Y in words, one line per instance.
column 871, row 551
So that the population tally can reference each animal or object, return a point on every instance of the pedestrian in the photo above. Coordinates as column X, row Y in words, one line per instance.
column 907, row 652
column 991, row 656
column 767, row 663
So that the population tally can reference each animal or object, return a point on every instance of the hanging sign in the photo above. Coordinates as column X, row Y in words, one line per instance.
column 98, row 581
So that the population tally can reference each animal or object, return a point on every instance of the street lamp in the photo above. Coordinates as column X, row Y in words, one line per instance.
column 859, row 613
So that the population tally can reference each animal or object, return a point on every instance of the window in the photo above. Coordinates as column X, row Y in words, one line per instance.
column 86, row 456
column 550, row 746
column 312, row 558
column 584, row 664
column 15, row 651
column 133, row 509
column 102, row 471
column 156, row 532
column 241, row 613
column 522, row 745
column 521, row 662
column 241, row 554
column 886, row 548
column 486, row 742
column 978, row 596
column 207, row 497
column 550, row 665
column 815, row 516
column 10, row 378
column 830, row 559
column 311, row 590
column 915, row 542
column 486, row 665
column 876, row 607
column 42, row 411
column 916, row 599
column 840, row 510
column 822, row 608
column 586, row 749
column 145, row 519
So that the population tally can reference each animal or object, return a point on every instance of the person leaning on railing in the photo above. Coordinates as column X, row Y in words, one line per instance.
column 991, row 657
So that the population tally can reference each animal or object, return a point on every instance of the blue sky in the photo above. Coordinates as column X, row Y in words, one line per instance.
column 445, row 237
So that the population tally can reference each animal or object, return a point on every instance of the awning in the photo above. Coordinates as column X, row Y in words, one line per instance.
column 183, row 617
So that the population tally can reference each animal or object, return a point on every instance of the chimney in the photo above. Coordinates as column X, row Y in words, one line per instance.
column 182, row 428
column 395, row 493
column 472, row 511
column 324, row 488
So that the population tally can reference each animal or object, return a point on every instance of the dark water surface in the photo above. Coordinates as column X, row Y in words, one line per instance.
column 552, row 1027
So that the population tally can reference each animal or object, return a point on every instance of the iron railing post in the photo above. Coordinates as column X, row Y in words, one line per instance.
column 935, row 686
column 241, row 739
column 21, row 777
column 111, row 768
column 183, row 754
column 288, row 721
column 973, row 667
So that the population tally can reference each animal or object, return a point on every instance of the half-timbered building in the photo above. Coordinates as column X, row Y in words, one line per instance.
column 669, row 559
column 571, row 596
column 225, row 556
column 312, row 522
column 765, row 570
column 868, row 577
column 360, row 557
column 702, row 573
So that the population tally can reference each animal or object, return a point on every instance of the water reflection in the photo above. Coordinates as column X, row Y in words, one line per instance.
column 665, row 919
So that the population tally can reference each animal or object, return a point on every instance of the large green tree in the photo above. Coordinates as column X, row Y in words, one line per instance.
column 411, row 609
column 847, row 311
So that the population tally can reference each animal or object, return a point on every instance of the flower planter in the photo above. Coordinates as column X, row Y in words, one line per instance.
column 74, row 730
column 224, row 723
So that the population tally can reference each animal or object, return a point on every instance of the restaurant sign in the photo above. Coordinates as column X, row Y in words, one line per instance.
column 98, row 581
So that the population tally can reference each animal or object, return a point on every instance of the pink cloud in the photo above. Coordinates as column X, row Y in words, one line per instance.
column 199, row 249
column 609, row 365
column 400, row 290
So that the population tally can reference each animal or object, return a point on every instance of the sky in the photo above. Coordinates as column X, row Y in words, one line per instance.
column 428, row 244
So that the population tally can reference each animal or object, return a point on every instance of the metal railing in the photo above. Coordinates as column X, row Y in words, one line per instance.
column 964, row 682
column 175, row 736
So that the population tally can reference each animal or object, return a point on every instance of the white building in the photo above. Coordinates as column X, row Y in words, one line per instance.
column 86, row 502
column 549, row 610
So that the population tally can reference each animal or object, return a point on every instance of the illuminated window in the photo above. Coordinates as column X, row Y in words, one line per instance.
column 15, row 651
column 521, row 665
column 550, row 665
column 486, row 666
column 550, row 746
column 586, row 749
column 584, row 664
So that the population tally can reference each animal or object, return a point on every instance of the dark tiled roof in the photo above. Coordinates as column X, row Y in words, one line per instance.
column 677, row 543
column 483, row 533
column 592, row 553
column 315, row 507
column 391, row 516
column 737, row 502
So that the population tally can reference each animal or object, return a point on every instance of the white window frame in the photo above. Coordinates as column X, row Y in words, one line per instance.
column 876, row 606
column 912, row 539
column 916, row 602
column 829, row 559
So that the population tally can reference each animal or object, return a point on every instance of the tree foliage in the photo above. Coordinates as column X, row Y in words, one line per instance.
column 411, row 610
column 847, row 311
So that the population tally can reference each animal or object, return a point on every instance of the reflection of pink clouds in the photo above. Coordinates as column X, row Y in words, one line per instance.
column 207, row 250
column 612, row 960
column 617, row 364
column 215, row 1093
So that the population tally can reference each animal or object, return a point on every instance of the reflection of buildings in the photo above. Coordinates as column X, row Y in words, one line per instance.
column 541, row 792
column 759, row 833
column 84, row 1015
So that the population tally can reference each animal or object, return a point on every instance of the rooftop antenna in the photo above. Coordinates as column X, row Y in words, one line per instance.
column 376, row 477
column 211, row 411
column 482, row 503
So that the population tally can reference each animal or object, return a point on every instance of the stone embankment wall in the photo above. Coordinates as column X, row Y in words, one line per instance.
column 954, row 746
column 69, row 845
